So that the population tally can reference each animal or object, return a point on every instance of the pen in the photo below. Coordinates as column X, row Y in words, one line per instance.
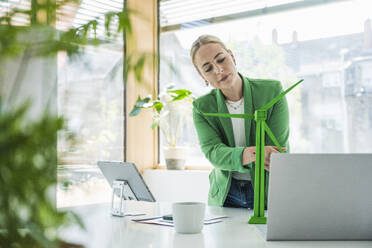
column 144, row 219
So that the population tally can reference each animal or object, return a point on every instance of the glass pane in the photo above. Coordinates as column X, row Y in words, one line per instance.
column 330, row 111
column 90, row 97
column 180, row 11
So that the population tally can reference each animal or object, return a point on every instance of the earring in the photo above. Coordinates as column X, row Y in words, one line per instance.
column 206, row 83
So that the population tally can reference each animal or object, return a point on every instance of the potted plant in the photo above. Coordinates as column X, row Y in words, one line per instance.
column 171, row 110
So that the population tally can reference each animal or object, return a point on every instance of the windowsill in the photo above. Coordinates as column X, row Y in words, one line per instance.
column 80, row 185
column 178, row 185
column 187, row 167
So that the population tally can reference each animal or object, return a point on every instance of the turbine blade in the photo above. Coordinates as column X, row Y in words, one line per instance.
column 272, row 137
column 276, row 99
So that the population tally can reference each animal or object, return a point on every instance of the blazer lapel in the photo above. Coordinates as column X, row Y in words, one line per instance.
column 248, row 107
column 226, row 122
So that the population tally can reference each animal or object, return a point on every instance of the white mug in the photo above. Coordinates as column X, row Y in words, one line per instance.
column 188, row 217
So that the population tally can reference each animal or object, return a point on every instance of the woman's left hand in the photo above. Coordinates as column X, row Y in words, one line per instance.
column 268, row 151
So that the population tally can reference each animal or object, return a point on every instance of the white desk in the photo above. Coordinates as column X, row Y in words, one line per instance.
column 104, row 230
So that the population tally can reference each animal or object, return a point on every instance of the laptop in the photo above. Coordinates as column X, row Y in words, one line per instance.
column 320, row 197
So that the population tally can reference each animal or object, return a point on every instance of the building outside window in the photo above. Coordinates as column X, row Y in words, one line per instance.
column 328, row 45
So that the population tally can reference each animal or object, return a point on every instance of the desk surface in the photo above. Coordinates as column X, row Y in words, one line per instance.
column 104, row 230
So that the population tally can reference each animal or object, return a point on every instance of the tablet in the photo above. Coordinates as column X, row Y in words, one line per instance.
column 126, row 172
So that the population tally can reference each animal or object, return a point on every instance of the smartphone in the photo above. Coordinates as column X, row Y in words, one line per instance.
column 168, row 217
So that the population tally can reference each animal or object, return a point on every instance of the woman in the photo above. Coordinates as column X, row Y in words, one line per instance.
column 229, row 144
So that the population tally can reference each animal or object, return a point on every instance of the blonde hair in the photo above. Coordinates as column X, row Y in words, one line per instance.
column 203, row 40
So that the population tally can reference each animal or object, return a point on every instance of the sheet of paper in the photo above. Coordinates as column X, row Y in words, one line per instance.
column 158, row 220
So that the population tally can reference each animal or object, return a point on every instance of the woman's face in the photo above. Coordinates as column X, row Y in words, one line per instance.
column 216, row 66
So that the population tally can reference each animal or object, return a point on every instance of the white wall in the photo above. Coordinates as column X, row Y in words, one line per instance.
column 178, row 185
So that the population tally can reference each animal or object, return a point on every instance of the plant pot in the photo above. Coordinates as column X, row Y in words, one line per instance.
column 175, row 157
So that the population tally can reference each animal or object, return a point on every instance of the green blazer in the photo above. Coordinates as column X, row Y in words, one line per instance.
column 216, row 136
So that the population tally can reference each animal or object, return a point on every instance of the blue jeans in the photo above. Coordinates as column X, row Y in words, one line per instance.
column 240, row 194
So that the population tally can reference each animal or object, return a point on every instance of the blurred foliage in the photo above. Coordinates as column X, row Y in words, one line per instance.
column 13, row 42
column 28, row 153
column 28, row 217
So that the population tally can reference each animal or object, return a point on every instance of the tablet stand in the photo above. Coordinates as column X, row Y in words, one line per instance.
column 121, row 191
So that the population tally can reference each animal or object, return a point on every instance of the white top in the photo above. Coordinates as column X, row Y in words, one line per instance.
column 237, row 107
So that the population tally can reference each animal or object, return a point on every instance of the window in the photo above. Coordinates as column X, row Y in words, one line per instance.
column 330, row 110
column 91, row 99
column 90, row 96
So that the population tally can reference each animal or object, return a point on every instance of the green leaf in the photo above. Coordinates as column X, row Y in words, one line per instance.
column 108, row 19
column 124, row 21
column 138, row 69
column 179, row 94
column 155, row 123
column 158, row 105
column 135, row 111
column 140, row 102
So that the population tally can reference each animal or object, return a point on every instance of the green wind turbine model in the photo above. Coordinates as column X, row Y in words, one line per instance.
column 260, row 117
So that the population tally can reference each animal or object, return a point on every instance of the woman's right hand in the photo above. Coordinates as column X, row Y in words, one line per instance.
column 249, row 155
